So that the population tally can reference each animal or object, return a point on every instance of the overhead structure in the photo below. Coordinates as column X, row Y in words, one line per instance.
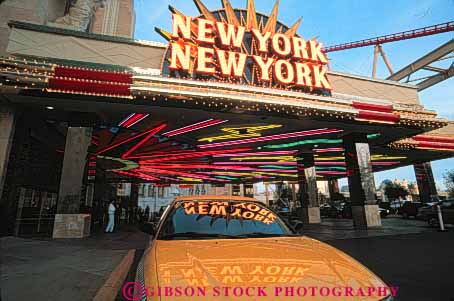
column 436, row 55
column 444, row 52
column 404, row 35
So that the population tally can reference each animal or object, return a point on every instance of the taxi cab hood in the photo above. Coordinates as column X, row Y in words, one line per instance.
column 270, row 262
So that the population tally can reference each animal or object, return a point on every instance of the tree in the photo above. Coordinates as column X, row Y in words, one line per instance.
column 394, row 191
column 449, row 181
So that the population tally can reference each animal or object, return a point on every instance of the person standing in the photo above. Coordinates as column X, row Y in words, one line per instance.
column 111, row 211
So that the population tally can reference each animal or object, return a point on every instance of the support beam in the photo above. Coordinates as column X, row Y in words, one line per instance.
column 423, row 61
column 310, row 207
column 435, row 79
column 385, row 59
column 69, row 223
column 7, row 126
column 426, row 183
column 7, row 129
column 374, row 65
column 361, row 182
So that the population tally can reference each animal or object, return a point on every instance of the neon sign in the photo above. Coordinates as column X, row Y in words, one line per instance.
column 243, row 47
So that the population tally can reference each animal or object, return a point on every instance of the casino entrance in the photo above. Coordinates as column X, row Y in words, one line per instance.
column 81, row 128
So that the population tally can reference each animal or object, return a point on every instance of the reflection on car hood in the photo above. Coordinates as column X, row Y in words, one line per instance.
column 270, row 262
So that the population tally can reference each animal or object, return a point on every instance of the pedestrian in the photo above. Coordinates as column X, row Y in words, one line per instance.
column 111, row 211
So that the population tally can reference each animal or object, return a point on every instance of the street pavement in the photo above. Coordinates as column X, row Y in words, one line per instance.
column 45, row 269
column 421, row 265
column 404, row 253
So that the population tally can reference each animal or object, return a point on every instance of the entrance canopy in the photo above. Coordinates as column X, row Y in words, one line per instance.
column 149, row 128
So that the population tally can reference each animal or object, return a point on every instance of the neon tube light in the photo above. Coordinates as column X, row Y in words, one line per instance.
column 303, row 142
column 257, row 154
column 194, row 127
column 254, row 163
column 280, row 158
column 109, row 147
column 194, row 154
column 328, row 150
column 130, row 124
column 331, row 172
column 272, row 137
column 135, row 175
column 150, row 134
column 237, row 132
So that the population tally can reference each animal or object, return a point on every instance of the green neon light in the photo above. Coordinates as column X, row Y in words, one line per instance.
column 312, row 141
column 330, row 168
column 373, row 136
column 227, row 178
column 276, row 166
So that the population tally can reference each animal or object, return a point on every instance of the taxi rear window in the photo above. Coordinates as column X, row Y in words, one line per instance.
column 221, row 218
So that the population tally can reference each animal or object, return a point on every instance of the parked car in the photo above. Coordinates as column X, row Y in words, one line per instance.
column 429, row 213
column 383, row 212
column 346, row 210
column 409, row 209
column 330, row 210
column 205, row 239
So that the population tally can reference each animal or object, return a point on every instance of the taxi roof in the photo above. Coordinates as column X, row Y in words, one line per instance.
column 215, row 197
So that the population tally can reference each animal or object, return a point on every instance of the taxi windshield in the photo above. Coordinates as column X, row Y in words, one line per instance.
column 221, row 219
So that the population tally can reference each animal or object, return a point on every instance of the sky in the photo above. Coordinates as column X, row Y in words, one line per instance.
column 338, row 21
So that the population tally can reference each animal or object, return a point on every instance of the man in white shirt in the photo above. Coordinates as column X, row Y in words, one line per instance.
column 111, row 211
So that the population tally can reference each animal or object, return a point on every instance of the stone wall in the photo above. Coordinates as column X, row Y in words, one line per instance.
column 35, row 11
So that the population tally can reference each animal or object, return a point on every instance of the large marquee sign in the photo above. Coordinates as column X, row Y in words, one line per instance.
column 242, row 46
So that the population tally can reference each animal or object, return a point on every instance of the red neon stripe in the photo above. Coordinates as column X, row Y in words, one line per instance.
column 389, row 117
column 433, row 139
column 194, row 127
column 331, row 172
column 195, row 154
column 255, row 163
column 126, row 119
column 257, row 154
column 182, row 129
column 436, row 145
column 151, row 133
column 174, row 172
column 272, row 137
column 327, row 150
column 139, row 120
column 135, row 175
column 131, row 119
column 372, row 107
column 93, row 75
column 89, row 87
column 122, row 142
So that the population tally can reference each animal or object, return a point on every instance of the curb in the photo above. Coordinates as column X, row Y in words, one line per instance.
column 113, row 284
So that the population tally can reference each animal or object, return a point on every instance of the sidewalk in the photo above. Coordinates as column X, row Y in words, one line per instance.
column 332, row 228
column 47, row 269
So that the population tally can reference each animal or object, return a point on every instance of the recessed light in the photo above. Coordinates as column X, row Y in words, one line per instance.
column 49, row 107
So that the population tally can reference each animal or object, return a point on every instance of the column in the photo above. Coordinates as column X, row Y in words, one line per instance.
column 333, row 188
column 69, row 223
column 7, row 129
column 310, row 209
column 361, row 182
column 426, row 183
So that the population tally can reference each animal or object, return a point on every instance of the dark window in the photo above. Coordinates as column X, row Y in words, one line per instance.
column 226, row 219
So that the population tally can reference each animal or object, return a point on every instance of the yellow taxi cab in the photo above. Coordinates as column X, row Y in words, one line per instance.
column 236, row 248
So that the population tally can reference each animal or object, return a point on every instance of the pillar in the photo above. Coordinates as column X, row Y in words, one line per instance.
column 361, row 182
column 7, row 128
column 426, row 182
column 333, row 188
column 69, row 223
column 310, row 209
